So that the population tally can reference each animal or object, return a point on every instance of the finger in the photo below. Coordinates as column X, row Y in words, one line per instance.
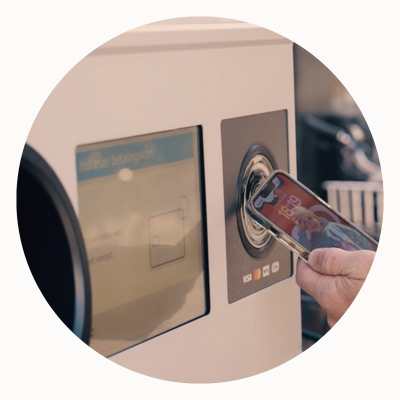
column 334, row 262
column 301, row 225
column 307, row 278
column 320, row 287
column 328, row 261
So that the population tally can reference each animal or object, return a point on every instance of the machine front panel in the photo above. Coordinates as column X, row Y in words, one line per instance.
column 252, row 146
column 140, row 202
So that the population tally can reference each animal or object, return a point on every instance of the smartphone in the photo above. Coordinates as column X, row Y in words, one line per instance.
column 299, row 219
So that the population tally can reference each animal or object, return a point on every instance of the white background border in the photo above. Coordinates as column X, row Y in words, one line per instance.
column 42, row 40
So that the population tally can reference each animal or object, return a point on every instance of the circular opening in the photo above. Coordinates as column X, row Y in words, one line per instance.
column 52, row 243
column 257, row 165
column 46, row 246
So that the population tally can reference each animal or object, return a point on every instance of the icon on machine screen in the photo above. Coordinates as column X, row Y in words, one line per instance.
column 167, row 237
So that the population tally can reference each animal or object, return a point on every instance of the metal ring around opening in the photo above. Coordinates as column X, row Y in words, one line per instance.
column 257, row 165
column 256, row 172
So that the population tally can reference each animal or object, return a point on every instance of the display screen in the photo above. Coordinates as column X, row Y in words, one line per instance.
column 300, row 213
column 141, row 214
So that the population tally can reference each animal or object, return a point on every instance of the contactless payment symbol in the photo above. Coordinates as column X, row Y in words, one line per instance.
column 275, row 267
column 266, row 271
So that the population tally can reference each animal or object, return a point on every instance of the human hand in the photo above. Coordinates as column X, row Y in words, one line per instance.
column 300, row 224
column 333, row 277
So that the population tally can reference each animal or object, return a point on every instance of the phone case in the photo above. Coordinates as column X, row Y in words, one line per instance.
column 302, row 221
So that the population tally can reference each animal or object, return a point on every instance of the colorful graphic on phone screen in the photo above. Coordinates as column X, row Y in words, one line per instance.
column 307, row 220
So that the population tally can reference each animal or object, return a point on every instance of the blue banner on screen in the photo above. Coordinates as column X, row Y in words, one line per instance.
column 110, row 160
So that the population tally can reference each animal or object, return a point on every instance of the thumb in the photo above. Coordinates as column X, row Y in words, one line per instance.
column 334, row 262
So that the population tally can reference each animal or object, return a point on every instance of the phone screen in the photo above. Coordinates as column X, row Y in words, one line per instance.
column 306, row 219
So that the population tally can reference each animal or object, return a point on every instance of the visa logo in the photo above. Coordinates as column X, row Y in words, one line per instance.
column 247, row 278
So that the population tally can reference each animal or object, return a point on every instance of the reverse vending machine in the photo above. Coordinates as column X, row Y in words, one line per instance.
column 131, row 197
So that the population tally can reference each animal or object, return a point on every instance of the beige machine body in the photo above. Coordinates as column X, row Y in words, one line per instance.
column 212, row 78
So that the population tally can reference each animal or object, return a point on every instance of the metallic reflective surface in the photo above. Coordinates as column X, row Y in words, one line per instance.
column 256, row 172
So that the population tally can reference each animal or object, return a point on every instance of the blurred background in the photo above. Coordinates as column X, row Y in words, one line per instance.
column 336, row 158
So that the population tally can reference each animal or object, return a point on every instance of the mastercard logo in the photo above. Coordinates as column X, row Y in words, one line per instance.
column 257, row 274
